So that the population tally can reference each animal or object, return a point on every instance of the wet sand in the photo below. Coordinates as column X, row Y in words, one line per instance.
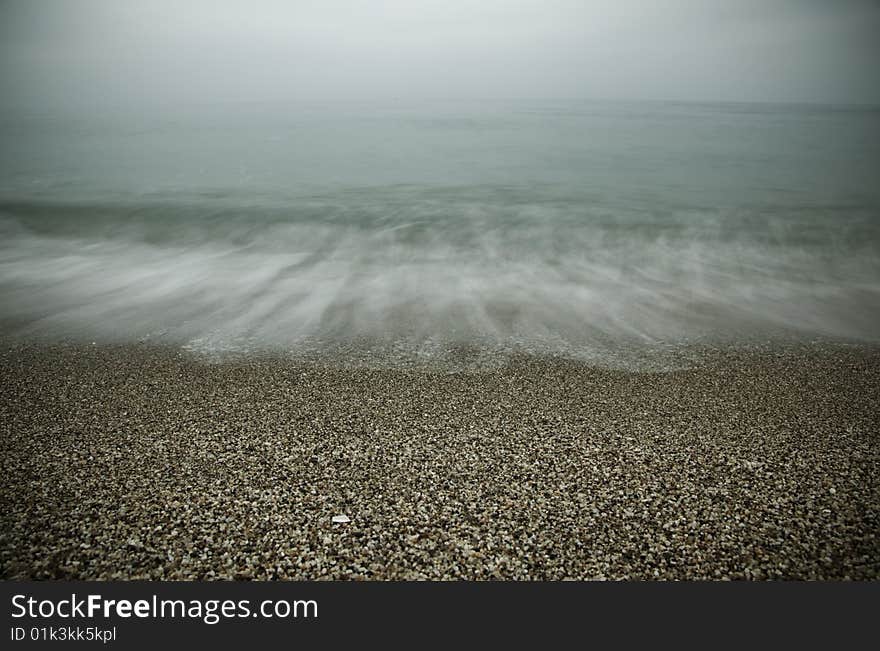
column 142, row 462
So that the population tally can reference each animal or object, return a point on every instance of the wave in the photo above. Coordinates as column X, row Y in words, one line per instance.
column 414, row 273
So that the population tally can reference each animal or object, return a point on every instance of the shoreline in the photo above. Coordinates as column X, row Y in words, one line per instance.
column 139, row 462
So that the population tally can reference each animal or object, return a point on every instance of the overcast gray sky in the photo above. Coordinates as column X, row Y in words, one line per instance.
column 83, row 52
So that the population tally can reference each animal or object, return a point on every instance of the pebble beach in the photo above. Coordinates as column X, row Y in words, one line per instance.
column 144, row 462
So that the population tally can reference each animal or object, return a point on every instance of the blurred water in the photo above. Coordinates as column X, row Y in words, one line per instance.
column 574, row 228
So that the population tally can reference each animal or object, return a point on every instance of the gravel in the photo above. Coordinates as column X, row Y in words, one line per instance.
column 139, row 462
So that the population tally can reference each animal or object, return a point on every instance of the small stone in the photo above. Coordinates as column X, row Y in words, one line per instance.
column 341, row 519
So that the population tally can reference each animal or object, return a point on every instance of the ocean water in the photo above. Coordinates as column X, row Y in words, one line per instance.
column 421, row 232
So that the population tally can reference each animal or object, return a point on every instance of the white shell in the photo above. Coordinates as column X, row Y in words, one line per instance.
column 341, row 519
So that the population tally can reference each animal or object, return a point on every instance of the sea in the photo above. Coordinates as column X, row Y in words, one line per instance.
column 409, row 233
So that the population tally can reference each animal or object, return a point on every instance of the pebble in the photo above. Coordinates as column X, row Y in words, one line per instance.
column 141, row 462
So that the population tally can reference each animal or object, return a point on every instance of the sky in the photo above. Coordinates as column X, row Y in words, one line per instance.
column 166, row 52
